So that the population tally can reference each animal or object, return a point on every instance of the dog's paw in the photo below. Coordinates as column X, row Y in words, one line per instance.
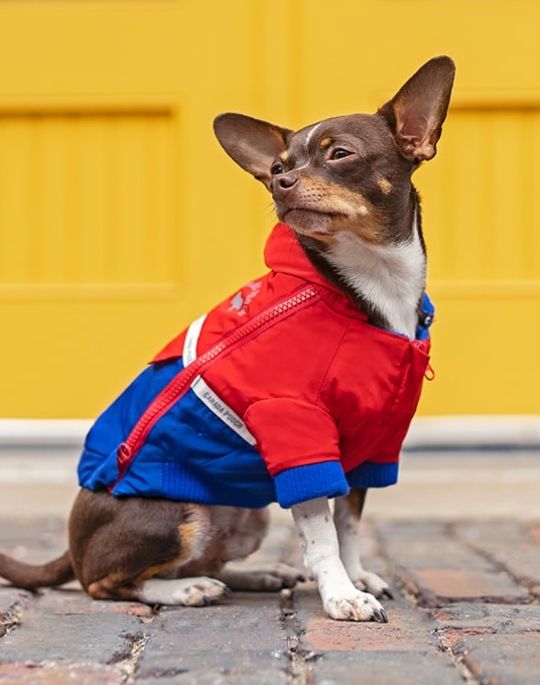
column 189, row 592
column 365, row 580
column 199, row 592
column 360, row 606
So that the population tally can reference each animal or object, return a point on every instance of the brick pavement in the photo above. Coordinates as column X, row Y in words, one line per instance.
column 466, row 610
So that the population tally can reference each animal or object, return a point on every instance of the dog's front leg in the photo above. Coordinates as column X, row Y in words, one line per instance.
column 341, row 599
column 347, row 513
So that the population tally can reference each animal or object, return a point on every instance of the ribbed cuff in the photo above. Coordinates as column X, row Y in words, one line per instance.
column 371, row 474
column 325, row 479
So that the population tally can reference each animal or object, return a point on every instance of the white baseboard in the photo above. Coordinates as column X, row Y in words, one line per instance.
column 426, row 432
column 43, row 432
column 439, row 432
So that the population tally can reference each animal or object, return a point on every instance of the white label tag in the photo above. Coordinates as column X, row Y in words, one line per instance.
column 222, row 410
column 189, row 353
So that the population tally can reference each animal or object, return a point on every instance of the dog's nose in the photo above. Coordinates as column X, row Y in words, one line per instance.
column 287, row 181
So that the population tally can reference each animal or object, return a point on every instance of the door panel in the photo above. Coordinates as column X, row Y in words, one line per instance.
column 83, row 189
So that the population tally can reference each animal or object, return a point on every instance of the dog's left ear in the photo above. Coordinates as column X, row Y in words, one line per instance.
column 417, row 112
column 252, row 143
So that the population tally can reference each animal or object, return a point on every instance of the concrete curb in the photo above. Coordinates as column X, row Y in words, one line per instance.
column 440, row 432
column 28, row 433
column 427, row 432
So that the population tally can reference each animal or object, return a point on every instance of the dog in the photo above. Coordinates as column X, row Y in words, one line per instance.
column 298, row 388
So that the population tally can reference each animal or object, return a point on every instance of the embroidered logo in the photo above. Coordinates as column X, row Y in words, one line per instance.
column 240, row 302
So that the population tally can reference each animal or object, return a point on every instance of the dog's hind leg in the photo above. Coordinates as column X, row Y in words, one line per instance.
column 198, row 591
column 135, row 548
column 347, row 514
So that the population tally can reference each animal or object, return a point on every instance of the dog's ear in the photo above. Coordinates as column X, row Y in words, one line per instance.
column 253, row 144
column 416, row 113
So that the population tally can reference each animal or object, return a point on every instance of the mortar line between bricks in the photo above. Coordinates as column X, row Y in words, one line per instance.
column 498, row 565
column 392, row 569
column 128, row 665
column 397, row 571
column 10, row 619
column 458, row 661
column 300, row 670
column 422, row 600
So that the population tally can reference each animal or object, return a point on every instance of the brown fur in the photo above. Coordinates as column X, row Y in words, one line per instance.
column 31, row 577
column 120, row 543
column 384, row 184
column 356, row 500
column 343, row 187
column 117, row 544
column 345, row 209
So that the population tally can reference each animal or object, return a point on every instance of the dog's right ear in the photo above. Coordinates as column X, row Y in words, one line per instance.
column 252, row 143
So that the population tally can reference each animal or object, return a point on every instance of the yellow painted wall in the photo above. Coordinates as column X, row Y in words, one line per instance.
column 121, row 218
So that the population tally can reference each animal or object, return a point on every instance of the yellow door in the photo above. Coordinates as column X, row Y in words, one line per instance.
column 121, row 219
column 481, row 192
column 117, row 224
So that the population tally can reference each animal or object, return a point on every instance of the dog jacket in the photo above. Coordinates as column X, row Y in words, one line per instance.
column 282, row 392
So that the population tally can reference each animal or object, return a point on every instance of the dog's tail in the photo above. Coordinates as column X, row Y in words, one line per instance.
column 33, row 576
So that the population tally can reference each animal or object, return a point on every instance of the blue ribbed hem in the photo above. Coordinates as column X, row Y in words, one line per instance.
column 325, row 479
column 370, row 474
column 185, row 485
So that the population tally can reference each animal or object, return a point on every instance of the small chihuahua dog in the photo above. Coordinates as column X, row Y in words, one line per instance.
column 300, row 388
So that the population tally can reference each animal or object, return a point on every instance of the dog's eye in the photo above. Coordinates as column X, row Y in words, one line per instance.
column 276, row 168
column 340, row 153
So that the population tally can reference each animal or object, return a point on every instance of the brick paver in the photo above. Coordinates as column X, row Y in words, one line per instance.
column 466, row 609
column 503, row 618
column 515, row 547
column 241, row 636
column 59, row 674
column 438, row 567
column 495, row 659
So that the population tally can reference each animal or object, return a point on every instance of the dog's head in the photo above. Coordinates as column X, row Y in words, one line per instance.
column 349, row 172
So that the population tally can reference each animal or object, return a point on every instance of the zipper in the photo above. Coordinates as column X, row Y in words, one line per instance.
column 181, row 383
column 429, row 373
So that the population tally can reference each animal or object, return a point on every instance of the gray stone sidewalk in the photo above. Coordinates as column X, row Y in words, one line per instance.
column 466, row 610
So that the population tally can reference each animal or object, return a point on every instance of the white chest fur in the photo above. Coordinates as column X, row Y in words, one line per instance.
column 391, row 278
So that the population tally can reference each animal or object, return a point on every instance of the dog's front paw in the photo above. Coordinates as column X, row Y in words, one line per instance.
column 365, row 580
column 360, row 606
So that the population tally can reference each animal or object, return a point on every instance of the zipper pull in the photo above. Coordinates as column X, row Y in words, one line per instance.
column 429, row 373
column 124, row 453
